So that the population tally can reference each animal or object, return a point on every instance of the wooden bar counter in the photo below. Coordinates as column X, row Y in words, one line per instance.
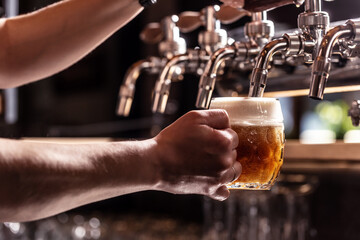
column 321, row 158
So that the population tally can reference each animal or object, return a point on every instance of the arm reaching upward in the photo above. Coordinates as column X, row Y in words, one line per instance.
column 44, row 42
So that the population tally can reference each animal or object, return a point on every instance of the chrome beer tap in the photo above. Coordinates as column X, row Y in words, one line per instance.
column 304, row 45
column 258, row 32
column 167, row 34
column 347, row 36
column 211, row 39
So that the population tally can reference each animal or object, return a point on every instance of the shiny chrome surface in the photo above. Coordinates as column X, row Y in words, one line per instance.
column 259, row 31
column 313, row 24
column 322, row 64
column 208, row 78
column 259, row 74
column 127, row 89
column 210, row 40
column 163, row 84
column 171, row 44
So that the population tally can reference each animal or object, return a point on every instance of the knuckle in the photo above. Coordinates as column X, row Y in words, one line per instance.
column 227, row 162
column 223, row 141
column 219, row 114
column 195, row 115
column 222, row 163
column 234, row 135
column 227, row 142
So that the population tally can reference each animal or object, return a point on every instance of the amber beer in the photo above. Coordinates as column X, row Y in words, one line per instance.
column 259, row 125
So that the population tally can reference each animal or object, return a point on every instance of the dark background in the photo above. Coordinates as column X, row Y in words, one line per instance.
column 81, row 100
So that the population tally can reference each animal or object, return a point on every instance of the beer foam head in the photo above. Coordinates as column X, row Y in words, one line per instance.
column 262, row 111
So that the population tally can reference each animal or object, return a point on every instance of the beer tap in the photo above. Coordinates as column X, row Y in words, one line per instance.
column 211, row 39
column 313, row 24
column 347, row 35
column 258, row 32
column 167, row 34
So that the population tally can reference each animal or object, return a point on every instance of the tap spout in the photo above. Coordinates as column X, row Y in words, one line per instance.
column 163, row 84
column 322, row 63
column 260, row 72
column 208, row 78
column 127, row 89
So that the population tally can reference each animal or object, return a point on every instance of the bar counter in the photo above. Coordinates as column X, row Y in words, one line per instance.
column 320, row 158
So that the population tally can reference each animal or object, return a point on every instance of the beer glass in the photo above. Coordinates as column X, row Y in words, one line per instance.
column 259, row 125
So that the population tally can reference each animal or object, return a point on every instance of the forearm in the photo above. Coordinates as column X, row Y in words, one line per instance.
column 194, row 155
column 38, row 180
column 44, row 42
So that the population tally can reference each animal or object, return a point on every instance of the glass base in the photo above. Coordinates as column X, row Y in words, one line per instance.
column 249, row 186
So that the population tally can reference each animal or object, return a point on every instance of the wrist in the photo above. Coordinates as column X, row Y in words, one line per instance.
column 150, row 168
column 127, row 166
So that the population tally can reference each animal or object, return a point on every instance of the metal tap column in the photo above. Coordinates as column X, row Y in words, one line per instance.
column 11, row 94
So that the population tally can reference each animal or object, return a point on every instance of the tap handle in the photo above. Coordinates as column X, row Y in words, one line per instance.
column 228, row 14
column 152, row 33
column 263, row 5
column 189, row 21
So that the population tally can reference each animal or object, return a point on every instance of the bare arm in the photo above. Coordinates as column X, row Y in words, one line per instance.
column 42, row 179
column 42, row 43
column 193, row 155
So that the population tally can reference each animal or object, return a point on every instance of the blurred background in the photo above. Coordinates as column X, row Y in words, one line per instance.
column 81, row 101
